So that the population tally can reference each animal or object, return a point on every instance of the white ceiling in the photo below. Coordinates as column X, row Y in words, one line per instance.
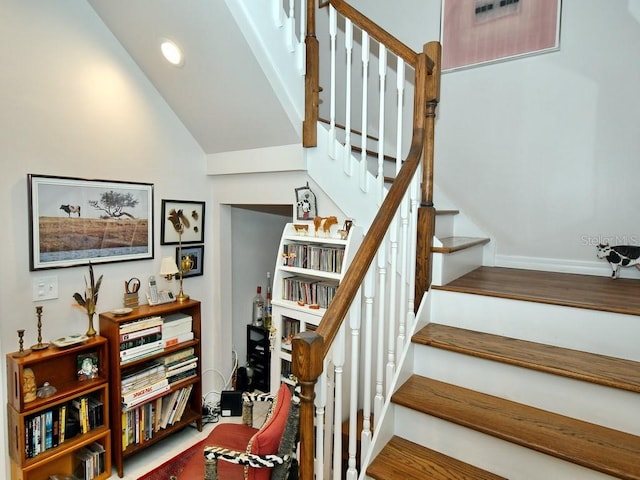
column 220, row 93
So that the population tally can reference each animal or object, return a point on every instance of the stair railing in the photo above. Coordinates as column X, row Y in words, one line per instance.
column 326, row 348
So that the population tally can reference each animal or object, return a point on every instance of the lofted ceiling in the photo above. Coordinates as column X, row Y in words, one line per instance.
column 220, row 93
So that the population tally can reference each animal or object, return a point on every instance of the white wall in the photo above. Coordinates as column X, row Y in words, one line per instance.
column 74, row 104
column 541, row 152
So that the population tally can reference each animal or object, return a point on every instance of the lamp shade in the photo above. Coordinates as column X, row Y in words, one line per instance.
column 168, row 266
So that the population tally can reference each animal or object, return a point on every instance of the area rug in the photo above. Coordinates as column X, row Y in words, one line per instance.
column 173, row 466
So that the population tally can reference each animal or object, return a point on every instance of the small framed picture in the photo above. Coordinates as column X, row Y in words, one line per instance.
column 193, row 253
column 182, row 220
column 306, row 207
column 87, row 366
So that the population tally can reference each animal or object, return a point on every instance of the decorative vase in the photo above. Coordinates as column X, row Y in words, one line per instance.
column 92, row 331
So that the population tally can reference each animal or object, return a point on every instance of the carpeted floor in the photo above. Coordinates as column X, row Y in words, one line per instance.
column 173, row 466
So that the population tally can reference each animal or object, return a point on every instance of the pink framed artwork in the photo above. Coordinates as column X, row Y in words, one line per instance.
column 476, row 32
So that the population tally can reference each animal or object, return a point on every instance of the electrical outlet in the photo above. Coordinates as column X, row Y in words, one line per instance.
column 45, row 288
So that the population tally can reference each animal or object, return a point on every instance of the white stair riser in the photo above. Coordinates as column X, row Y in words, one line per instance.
column 572, row 398
column 484, row 451
column 444, row 226
column 593, row 331
column 448, row 267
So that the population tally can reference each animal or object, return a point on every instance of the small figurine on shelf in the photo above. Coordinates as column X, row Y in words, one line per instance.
column 324, row 223
column 46, row 390
column 28, row 385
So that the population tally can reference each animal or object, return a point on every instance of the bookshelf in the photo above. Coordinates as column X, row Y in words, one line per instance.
column 308, row 271
column 156, row 390
column 259, row 356
column 59, row 434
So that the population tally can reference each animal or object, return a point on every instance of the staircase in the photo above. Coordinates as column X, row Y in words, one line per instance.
column 509, row 374
column 551, row 397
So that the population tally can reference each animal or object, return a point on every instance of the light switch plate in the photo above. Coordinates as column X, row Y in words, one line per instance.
column 45, row 288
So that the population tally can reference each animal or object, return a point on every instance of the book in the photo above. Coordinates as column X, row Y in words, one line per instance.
column 170, row 359
column 129, row 397
column 140, row 333
column 151, row 395
column 140, row 324
column 185, row 337
column 167, row 406
column 142, row 340
column 136, row 352
column 176, row 324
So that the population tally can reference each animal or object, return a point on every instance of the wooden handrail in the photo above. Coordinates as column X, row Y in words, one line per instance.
column 376, row 32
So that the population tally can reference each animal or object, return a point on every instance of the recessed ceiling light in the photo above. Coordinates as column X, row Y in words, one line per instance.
column 172, row 52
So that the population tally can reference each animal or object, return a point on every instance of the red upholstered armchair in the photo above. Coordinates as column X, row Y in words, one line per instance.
column 267, row 453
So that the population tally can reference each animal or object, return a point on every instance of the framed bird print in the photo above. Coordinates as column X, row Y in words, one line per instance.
column 182, row 221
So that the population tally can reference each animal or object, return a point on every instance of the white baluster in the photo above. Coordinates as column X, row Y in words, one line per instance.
column 301, row 47
column 348, row 39
column 404, row 270
column 415, row 202
column 368, row 359
column 382, row 77
column 393, row 306
column 354, row 325
column 291, row 27
column 322, row 391
column 278, row 13
column 338, row 355
column 364, row 178
column 400, row 83
column 333, row 29
column 381, row 317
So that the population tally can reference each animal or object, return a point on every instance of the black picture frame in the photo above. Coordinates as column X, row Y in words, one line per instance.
column 77, row 221
column 306, row 204
column 193, row 212
column 196, row 253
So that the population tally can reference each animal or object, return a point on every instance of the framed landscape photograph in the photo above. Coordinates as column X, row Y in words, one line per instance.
column 74, row 221
column 477, row 32
column 195, row 254
column 185, row 215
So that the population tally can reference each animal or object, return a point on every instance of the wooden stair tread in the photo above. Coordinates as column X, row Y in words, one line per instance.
column 567, row 289
column 589, row 367
column 401, row 459
column 599, row 448
column 447, row 212
column 455, row 244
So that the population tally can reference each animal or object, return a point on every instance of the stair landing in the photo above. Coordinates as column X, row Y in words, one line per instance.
column 621, row 295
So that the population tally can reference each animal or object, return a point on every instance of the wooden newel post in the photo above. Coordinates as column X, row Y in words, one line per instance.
column 307, row 359
column 311, row 80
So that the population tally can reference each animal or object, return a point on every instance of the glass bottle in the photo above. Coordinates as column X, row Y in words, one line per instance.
column 258, row 308
column 267, row 305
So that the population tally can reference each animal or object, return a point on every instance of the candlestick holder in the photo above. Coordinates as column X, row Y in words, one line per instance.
column 21, row 352
column 39, row 345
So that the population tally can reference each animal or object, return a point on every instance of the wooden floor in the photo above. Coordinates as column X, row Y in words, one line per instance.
column 583, row 291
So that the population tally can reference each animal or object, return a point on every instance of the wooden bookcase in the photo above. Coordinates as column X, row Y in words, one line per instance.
column 59, row 367
column 319, row 262
column 110, row 328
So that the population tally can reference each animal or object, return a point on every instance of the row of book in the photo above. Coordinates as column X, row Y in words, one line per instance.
column 315, row 257
column 156, row 377
column 90, row 461
column 141, row 423
column 308, row 291
column 48, row 429
column 148, row 336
